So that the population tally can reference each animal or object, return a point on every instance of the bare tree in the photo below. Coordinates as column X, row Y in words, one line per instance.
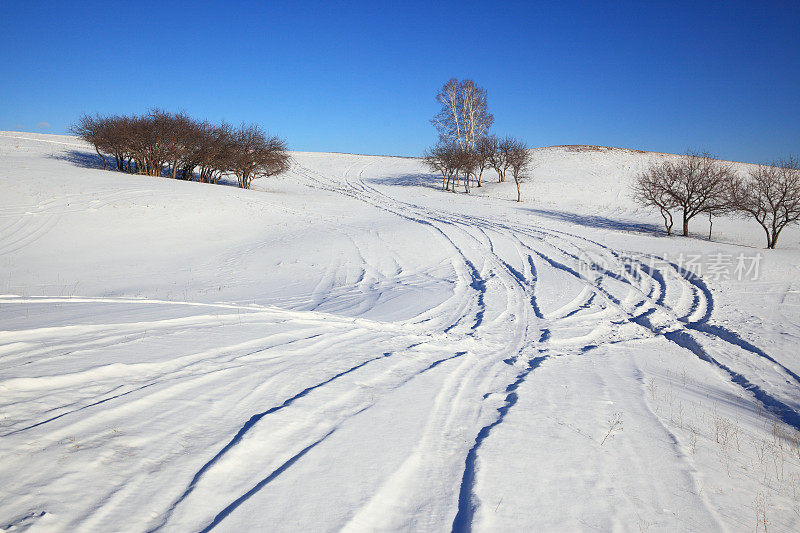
column 108, row 135
column 719, row 208
column 215, row 152
column 519, row 160
column 651, row 189
column 464, row 116
column 440, row 159
column 434, row 159
column 477, row 118
column 499, row 157
column 771, row 195
column 699, row 184
column 118, row 141
column 466, row 162
column 152, row 141
column 485, row 147
column 256, row 155
column 180, row 135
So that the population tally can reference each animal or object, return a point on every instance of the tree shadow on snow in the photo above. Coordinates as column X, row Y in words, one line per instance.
column 409, row 180
column 596, row 221
column 82, row 159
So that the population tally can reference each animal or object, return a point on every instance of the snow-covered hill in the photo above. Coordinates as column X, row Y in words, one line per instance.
column 349, row 347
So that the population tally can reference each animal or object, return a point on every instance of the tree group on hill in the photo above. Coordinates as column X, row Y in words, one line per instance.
column 159, row 143
column 698, row 184
column 465, row 148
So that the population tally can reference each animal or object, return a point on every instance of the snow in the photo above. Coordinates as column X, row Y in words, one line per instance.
column 349, row 347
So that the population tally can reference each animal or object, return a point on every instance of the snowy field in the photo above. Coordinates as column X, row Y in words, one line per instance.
column 349, row 348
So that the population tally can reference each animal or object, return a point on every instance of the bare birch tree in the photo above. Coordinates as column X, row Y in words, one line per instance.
column 464, row 115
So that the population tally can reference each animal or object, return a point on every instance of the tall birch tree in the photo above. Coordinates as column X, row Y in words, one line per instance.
column 463, row 117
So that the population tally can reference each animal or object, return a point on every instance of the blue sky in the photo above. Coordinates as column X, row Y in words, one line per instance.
column 361, row 76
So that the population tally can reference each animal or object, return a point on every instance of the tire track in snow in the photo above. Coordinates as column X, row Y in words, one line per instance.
column 692, row 471
column 254, row 419
column 466, row 495
column 261, row 484
column 193, row 366
column 703, row 300
column 249, row 424
column 360, row 192
column 93, row 404
column 786, row 413
column 686, row 341
column 31, row 230
column 284, row 466
column 515, row 281
column 176, row 374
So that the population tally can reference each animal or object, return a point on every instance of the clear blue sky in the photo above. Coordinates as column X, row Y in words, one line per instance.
column 361, row 76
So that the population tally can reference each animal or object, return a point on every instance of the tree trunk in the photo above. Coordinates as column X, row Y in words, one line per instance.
column 775, row 235
column 101, row 157
column 667, row 216
column 710, row 225
column 776, row 231
column 685, row 224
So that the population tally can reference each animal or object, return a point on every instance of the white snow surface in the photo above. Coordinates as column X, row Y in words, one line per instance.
column 348, row 347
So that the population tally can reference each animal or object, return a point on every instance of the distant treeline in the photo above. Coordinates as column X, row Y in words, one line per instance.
column 159, row 143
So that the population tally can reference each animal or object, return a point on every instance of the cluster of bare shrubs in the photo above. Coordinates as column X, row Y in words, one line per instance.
column 465, row 148
column 700, row 184
column 456, row 163
column 159, row 143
